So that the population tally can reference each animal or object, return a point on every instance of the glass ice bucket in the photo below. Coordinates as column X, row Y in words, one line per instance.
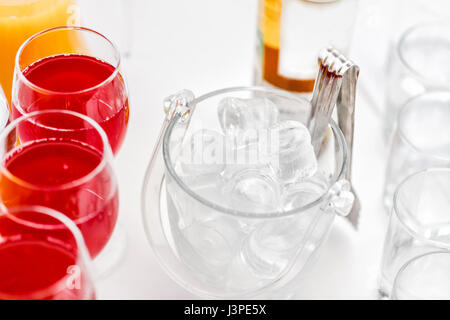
column 215, row 245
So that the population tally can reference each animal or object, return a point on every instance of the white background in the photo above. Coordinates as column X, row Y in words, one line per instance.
column 203, row 45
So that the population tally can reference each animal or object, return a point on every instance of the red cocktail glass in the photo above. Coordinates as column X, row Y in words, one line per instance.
column 42, row 256
column 72, row 68
column 68, row 168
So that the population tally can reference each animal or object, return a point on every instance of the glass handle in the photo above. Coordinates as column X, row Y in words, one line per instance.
column 340, row 198
column 177, row 108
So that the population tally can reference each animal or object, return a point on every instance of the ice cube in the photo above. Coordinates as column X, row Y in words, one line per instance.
column 237, row 115
column 186, row 210
column 209, row 246
column 256, row 153
column 271, row 248
column 202, row 155
column 304, row 192
column 216, row 240
column 254, row 190
column 296, row 158
column 201, row 163
column 268, row 250
column 241, row 277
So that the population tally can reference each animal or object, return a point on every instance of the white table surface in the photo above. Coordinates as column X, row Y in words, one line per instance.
column 204, row 45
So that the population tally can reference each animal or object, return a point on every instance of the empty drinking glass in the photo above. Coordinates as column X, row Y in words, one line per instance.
column 115, row 20
column 426, row 277
column 421, row 139
column 419, row 63
column 419, row 223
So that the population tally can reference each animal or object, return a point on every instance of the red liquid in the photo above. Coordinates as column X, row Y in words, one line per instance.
column 75, row 83
column 58, row 174
column 30, row 266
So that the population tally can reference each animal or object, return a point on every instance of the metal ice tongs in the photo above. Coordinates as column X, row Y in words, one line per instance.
column 335, row 85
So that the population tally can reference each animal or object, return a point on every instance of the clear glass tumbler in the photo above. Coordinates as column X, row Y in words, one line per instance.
column 115, row 20
column 426, row 277
column 223, row 245
column 420, row 62
column 421, row 139
column 419, row 223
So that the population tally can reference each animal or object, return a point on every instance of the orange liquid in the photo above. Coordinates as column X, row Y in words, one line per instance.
column 19, row 20
column 270, row 27
column 271, row 74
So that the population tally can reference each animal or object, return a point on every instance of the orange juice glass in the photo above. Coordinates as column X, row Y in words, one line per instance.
column 19, row 20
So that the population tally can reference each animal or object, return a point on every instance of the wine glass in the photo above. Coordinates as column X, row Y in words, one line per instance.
column 72, row 68
column 42, row 256
column 62, row 160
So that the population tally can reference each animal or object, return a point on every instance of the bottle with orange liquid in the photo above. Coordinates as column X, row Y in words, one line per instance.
column 291, row 33
column 19, row 20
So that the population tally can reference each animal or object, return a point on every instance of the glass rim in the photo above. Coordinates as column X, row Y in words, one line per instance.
column 395, row 288
column 105, row 153
column 15, row 2
column 402, row 114
column 82, row 256
column 4, row 109
column 337, row 133
column 404, row 37
column 405, row 217
column 35, row 87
